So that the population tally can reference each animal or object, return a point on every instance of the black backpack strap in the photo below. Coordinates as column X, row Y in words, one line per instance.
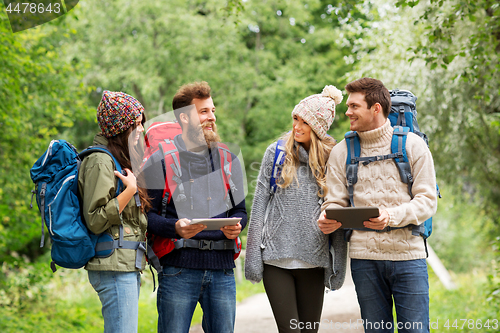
column 368, row 160
column 153, row 259
column 42, row 210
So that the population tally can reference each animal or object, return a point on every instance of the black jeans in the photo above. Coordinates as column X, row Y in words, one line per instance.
column 296, row 297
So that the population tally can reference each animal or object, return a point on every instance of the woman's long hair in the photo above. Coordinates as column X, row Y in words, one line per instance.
column 118, row 145
column 319, row 151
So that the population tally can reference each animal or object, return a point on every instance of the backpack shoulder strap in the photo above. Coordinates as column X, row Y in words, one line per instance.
column 279, row 159
column 173, row 172
column 102, row 149
column 352, row 162
column 398, row 147
column 226, row 160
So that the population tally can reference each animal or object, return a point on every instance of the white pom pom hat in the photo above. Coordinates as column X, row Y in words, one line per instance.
column 318, row 111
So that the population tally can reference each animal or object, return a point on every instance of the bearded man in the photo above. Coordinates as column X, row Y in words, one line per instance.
column 201, row 270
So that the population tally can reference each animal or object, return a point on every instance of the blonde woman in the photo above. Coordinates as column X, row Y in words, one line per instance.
column 285, row 247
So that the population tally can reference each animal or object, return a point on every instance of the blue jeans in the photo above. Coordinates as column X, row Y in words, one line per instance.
column 379, row 283
column 180, row 289
column 119, row 295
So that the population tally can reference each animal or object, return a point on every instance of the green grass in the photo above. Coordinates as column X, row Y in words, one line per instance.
column 465, row 306
column 70, row 304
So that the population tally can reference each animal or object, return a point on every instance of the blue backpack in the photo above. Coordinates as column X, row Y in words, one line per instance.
column 403, row 117
column 55, row 175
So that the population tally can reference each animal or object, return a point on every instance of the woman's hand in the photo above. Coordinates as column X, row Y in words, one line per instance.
column 129, row 181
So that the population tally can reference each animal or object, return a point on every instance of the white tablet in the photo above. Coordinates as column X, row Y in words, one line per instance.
column 216, row 224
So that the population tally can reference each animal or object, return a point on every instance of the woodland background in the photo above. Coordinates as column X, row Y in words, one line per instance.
column 261, row 58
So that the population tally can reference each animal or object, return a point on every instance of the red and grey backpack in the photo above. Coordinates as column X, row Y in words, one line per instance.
column 160, row 136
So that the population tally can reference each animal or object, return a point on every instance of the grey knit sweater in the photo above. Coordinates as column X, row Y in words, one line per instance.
column 291, row 230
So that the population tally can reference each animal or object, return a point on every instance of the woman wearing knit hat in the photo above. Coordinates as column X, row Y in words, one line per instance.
column 285, row 247
column 116, row 277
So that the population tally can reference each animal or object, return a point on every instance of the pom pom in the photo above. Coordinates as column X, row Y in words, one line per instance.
column 333, row 93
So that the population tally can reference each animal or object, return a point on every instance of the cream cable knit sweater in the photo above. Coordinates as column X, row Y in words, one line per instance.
column 379, row 185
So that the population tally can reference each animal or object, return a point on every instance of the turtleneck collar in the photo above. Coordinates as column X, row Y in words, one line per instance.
column 303, row 154
column 378, row 137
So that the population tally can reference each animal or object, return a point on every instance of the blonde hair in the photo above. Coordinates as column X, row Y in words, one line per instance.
column 319, row 151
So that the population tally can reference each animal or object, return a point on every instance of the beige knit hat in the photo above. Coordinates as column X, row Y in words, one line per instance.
column 318, row 111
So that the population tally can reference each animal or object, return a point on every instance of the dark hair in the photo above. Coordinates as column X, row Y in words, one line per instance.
column 374, row 91
column 186, row 93
column 118, row 145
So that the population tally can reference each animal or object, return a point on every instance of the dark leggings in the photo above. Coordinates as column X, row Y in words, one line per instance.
column 296, row 297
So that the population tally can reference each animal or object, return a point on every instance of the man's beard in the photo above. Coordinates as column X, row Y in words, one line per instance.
column 209, row 137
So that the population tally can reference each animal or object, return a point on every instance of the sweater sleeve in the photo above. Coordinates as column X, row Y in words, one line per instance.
column 254, row 265
column 337, row 194
column 424, row 202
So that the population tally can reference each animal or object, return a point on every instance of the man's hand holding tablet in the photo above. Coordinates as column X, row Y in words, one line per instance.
column 358, row 218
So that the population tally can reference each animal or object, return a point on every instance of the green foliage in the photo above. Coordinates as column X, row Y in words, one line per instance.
column 494, row 280
column 460, row 235
column 259, row 69
column 470, row 295
column 66, row 302
column 41, row 98
column 460, row 44
column 22, row 283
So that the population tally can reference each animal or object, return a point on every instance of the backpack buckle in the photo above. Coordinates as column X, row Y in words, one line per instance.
column 205, row 245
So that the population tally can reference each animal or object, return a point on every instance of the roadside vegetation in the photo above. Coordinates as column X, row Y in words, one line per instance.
column 260, row 58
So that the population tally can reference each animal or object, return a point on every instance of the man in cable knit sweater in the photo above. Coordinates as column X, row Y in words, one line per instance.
column 387, row 266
